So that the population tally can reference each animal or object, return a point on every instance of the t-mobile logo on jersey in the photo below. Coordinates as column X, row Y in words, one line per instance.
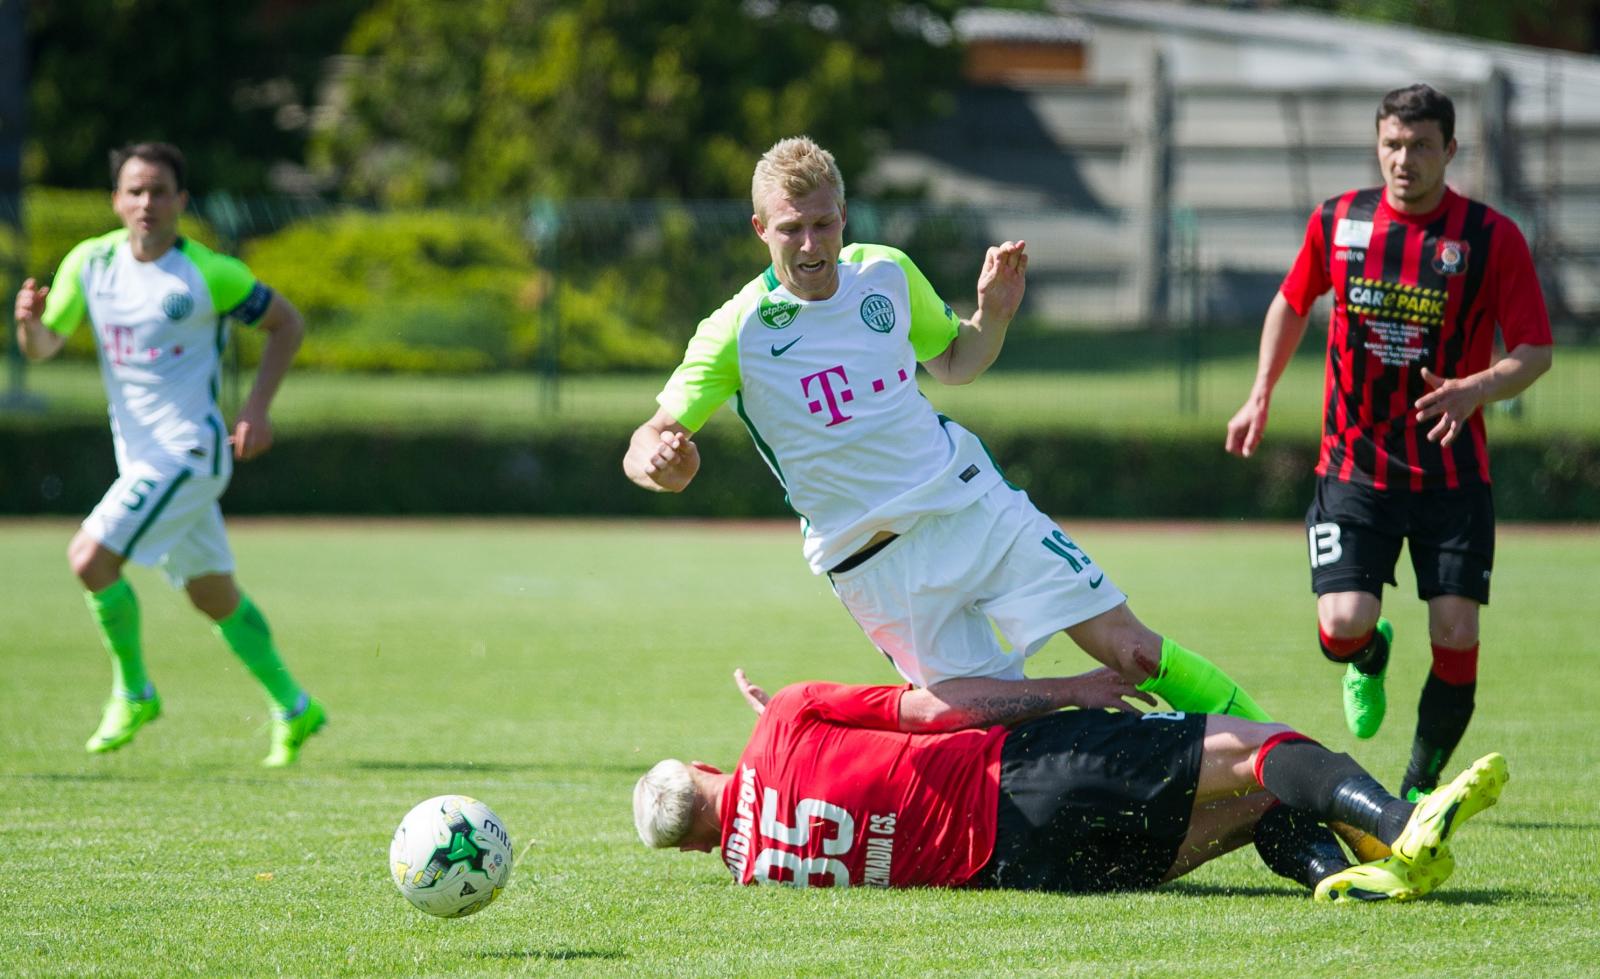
column 119, row 343
column 843, row 395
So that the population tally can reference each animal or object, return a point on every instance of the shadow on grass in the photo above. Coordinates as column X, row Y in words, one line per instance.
column 187, row 775
column 1543, row 825
column 1503, row 895
column 1216, row 890
column 1447, row 895
column 550, row 955
column 566, row 767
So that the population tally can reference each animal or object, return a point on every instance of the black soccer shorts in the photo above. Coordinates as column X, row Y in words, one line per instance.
column 1353, row 536
column 1092, row 800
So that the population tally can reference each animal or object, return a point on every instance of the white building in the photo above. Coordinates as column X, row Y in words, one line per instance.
column 1131, row 140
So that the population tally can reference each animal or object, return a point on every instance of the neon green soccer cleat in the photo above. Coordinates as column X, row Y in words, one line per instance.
column 1364, row 699
column 121, row 721
column 1439, row 813
column 1389, row 879
column 289, row 734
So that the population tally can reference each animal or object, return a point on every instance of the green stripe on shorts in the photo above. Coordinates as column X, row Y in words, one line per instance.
column 155, row 511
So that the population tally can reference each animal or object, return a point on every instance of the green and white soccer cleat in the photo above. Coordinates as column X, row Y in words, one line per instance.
column 1389, row 879
column 289, row 734
column 1436, row 817
column 1364, row 699
column 122, row 719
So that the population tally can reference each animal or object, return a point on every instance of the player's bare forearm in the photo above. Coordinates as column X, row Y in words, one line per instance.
column 1451, row 401
column 39, row 342
column 977, row 702
column 1280, row 335
column 1001, row 283
column 1516, row 371
column 285, row 331
column 975, row 348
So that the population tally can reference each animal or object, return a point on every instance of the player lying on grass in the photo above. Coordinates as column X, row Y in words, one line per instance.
column 885, row 786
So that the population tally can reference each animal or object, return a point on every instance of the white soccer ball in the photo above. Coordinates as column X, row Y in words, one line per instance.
column 451, row 856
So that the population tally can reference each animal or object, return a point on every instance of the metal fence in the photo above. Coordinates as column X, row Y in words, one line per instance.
column 656, row 268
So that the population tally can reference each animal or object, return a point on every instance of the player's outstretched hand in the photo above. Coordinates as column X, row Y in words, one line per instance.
column 754, row 695
column 1245, row 429
column 1105, row 689
column 1002, row 282
column 1452, row 401
column 252, row 434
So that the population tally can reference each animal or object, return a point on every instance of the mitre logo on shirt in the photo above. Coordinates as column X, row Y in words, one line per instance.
column 1349, row 233
column 177, row 305
column 878, row 312
column 1450, row 256
column 775, row 314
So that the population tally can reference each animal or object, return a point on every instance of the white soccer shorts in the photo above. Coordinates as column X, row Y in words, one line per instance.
column 926, row 600
column 166, row 517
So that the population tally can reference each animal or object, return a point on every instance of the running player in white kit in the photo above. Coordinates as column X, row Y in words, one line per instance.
column 919, row 533
column 157, row 302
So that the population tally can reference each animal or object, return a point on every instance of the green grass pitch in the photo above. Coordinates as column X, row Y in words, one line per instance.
column 542, row 666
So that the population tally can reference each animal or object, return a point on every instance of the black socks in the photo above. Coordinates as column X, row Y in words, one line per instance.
column 1332, row 788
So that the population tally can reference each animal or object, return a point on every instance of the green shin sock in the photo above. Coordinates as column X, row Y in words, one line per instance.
column 247, row 634
column 116, row 611
column 1192, row 683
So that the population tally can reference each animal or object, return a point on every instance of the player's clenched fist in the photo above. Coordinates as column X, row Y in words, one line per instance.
column 30, row 303
column 662, row 458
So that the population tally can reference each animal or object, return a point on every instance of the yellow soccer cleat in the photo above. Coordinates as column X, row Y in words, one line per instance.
column 1389, row 879
column 1436, row 817
column 289, row 734
column 121, row 721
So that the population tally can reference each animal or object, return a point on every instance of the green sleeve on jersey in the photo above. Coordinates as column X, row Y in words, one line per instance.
column 65, row 307
column 229, row 279
column 709, row 373
column 933, row 323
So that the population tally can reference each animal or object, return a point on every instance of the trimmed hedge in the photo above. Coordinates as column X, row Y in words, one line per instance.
column 64, row 468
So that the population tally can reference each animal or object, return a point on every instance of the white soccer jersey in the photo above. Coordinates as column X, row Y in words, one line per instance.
column 160, row 332
column 828, row 391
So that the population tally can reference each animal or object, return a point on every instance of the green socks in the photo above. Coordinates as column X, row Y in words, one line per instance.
column 1192, row 683
column 246, row 633
column 116, row 611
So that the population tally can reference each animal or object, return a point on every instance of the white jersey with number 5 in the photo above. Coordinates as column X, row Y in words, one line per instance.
column 160, row 331
column 828, row 391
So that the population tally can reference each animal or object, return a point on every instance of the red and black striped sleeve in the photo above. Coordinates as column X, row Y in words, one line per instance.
column 1518, row 301
column 1308, row 276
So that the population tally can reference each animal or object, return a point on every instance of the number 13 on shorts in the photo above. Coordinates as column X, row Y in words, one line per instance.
column 1323, row 540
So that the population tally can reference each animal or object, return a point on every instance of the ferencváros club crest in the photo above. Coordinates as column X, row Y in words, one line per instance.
column 775, row 313
column 1450, row 257
column 878, row 312
column 177, row 305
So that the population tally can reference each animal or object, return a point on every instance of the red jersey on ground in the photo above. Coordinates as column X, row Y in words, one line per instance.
column 1410, row 291
column 829, row 794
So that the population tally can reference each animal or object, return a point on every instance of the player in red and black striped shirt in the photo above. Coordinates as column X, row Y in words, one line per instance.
column 848, row 786
column 1421, row 278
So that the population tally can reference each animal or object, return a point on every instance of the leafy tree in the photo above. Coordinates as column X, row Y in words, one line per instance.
column 623, row 98
column 228, row 82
